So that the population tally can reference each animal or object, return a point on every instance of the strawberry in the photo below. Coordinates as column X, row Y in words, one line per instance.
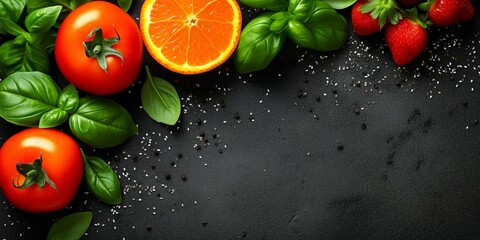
column 408, row 3
column 450, row 12
column 406, row 40
column 370, row 16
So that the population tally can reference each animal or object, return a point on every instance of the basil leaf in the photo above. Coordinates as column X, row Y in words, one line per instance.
column 102, row 180
column 43, row 19
column 68, row 99
column 26, row 96
column 329, row 28
column 69, row 5
column 11, row 10
column 70, row 227
column 53, row 118
column 160, row 100
column 279, row 21
column 11, row 28
column 20, row 55
column 301, row 9
column 101, row 122
column 45, row 40
column 273, row 5
column 300, row 34
column 125, row 4
column 258, row 46
column 340, row 4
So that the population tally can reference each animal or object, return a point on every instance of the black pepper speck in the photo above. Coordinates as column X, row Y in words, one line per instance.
column 168, row 177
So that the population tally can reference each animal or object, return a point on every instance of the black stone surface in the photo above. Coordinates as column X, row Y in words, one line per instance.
column 338, row 145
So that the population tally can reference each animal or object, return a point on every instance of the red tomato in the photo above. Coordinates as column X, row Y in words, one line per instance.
column 61, row 160
column 85, row 72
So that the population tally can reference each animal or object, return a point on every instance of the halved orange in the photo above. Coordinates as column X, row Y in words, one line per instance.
column 190, row 36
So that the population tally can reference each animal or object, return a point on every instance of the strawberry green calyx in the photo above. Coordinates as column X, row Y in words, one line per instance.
column 34, row 174
column 100, row 47
column 383, row 10
column 420, row 18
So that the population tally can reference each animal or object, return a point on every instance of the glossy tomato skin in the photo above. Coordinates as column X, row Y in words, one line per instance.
column 62, row 161
column 84, row 72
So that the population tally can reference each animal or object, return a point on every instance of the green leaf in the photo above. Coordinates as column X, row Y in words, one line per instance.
column 45, row 40
column 160, row 100
column 258, row 46
column 68, row 5
column 301, row 9
column 43, row 19
column 70, row 227
column 101, row 122
column 19, row 55
column 102, row 181
column 279, row 21
column 340, row 4
column 272, row 5
column 53, row 118
column 300, row 34
column 11, row 10
column 125, row 4
column 329, row 28
column 26, row 96
column 69, row 99
column 11, row 28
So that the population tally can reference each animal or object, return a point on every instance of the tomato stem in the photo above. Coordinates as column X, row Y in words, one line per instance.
column 34, row 174
column 100, row 47
column 97, row 49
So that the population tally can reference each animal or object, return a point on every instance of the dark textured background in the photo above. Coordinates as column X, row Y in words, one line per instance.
column 339, row 145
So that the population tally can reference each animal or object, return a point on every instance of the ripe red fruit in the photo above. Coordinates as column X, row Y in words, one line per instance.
column 363, row 23
column 408, row 3
column 406, row 40
column 450, row 12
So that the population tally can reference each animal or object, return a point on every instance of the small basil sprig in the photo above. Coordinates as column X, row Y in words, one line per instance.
column 258, row 45
column 33, row 99
column 28, row 50
column 309, row 24
column 160, row 100
column 324, row 30
column 102, row 181
column 70, row 227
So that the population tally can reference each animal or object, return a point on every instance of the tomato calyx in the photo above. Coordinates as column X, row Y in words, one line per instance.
column 100, row 47
column 34, row 174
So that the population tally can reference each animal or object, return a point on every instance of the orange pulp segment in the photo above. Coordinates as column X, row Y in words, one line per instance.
column 190, row 36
